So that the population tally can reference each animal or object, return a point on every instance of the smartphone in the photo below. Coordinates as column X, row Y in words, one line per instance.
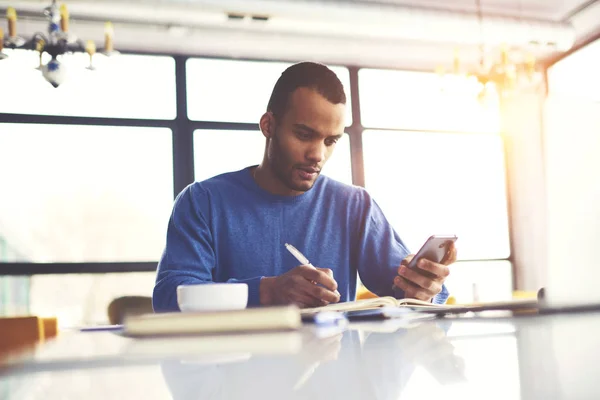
column 434, row 249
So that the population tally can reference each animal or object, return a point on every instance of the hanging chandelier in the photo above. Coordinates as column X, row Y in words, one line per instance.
column 56, row 42
column 512, row 68
column 499, row 71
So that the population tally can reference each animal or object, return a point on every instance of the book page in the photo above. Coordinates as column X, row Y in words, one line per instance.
column 355, row 305
column 416, row 302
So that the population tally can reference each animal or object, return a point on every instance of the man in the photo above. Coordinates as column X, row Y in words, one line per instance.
column 233, row 227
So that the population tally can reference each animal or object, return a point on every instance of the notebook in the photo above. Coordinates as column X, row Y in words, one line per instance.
column 189, row 323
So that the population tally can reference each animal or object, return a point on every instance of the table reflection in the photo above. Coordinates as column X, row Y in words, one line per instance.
column 353, row 364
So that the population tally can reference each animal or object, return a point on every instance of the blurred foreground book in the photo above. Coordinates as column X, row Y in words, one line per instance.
column 189, row 323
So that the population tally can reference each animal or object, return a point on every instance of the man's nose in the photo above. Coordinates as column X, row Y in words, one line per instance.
column 316, row 152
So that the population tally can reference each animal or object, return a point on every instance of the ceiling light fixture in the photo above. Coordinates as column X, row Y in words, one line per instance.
column 56, row 42
column 512, row 67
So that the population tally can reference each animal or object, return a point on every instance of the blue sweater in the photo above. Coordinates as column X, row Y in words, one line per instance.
column 228, row 229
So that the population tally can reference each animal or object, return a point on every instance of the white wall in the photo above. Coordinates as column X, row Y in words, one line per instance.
column 572, row 151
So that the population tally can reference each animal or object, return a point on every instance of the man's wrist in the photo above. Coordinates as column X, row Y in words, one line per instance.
column 265, row 289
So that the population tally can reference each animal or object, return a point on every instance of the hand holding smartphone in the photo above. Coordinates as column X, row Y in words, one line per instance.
column 434, row 249
column 424, row 284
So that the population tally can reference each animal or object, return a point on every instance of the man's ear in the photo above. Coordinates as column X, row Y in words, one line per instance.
column 267, row 124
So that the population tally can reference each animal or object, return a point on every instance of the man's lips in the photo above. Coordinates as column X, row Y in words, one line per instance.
column 308, row 173
column 309, row 170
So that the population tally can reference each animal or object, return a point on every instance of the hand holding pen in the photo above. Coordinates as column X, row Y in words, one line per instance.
column 305, row 285
column 304, row 261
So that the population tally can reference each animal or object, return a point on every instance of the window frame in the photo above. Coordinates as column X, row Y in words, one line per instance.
column 183, row 158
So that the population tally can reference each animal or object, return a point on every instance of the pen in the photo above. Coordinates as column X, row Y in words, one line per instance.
column 299, row 256
column 301, row 259
column 326, row 318
column 101, row 328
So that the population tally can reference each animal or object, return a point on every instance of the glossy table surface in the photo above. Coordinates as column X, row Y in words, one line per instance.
column 527, row 357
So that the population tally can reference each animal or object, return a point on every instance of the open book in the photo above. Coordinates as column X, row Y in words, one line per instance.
column 424, row 306
column 378, row 302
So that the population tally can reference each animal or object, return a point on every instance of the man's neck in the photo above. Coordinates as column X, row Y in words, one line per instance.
column 265, row 177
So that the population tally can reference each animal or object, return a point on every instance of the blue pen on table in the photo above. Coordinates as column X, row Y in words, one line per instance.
column 100, row 328
column 301, row 258
column 326, row 318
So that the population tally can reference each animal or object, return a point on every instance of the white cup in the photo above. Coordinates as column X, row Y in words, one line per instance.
column 212, row 297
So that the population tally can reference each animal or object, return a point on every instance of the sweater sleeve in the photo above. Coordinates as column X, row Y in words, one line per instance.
column 189, row 256
column 380, row 251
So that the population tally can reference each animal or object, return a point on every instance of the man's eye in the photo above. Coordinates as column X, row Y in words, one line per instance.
column 303, row 135
column 330, row 142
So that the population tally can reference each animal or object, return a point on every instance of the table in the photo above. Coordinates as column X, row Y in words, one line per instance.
column 528, row 357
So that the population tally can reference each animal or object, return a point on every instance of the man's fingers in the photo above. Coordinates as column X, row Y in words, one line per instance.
column 322, row 293
column 318, row 293
column 407, row 260
column 411, row 290
column 329, row 272
column 429, row 285
column 318, row 276
column 303, row 300
column 439, row 270
column 451, row 255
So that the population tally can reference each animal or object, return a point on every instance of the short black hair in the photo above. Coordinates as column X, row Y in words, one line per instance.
column 309, row 75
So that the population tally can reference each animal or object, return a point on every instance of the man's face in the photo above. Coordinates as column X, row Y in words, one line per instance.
column 304, row 139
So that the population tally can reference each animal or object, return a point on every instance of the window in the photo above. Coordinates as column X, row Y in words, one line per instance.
column 472, row 281
column 430, row 183
column 238, row 91
column 219, row 151
column 424, row 101
column 85, row 193
column 14, row 295
column 339, row 165
column 127, row 86
column 8, row 253
column 104, row 193
column 83, row 299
